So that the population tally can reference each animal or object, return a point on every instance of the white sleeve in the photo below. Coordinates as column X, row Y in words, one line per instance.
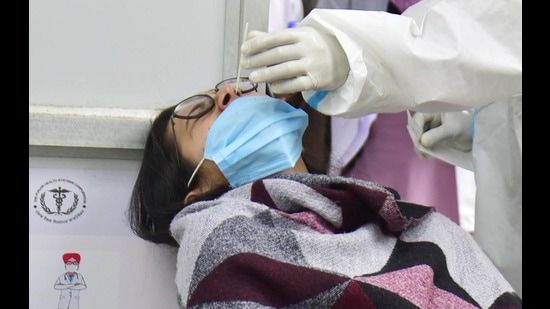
column 437, row 56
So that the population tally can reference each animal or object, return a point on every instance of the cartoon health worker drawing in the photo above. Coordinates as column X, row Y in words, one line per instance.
column 70, row 283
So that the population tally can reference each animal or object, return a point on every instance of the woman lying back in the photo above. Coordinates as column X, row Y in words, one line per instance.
column 224, row 180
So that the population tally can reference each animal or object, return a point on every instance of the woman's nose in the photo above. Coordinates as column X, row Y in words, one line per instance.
column 225, row 95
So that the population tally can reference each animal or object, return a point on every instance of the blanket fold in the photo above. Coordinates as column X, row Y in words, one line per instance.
column 315, row 241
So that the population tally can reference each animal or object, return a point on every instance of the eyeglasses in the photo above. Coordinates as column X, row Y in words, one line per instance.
column 71, row 263
column 198, row 105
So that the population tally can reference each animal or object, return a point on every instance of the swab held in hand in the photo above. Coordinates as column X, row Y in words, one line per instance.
column 239, row 63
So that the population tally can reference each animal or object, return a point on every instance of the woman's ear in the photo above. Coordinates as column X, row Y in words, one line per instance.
column 191, row 196
column 208, row 178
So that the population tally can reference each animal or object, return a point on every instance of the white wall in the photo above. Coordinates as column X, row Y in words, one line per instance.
column 131, row 54
column 120, row 270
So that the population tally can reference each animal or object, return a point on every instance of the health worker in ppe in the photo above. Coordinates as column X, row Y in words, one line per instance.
column 457, row 64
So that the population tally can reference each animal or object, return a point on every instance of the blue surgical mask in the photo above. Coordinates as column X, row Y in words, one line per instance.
column 254, row 137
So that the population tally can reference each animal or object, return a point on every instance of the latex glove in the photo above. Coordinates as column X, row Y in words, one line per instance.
column 452, row 128
column 295, row 59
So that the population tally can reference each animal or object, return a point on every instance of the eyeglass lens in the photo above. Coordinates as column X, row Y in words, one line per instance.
column 195, row 105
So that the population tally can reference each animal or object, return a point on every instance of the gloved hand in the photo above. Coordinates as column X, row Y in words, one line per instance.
column 452, row 128
column 295, row 59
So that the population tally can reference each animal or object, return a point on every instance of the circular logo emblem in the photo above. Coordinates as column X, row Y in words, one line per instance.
column 59, row 201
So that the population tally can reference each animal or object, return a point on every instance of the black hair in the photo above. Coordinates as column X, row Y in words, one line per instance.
column 160, row 187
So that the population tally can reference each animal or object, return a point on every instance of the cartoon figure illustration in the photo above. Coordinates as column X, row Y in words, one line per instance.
column 70, row 283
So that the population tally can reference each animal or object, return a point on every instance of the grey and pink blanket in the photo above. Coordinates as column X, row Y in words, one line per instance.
column 314, row 241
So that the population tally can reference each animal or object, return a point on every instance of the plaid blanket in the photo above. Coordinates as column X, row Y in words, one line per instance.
column 314, row 241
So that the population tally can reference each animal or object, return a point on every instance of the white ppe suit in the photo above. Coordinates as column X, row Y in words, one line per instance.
column 441, row 56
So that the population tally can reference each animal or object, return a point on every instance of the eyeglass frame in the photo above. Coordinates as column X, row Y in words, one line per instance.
column 212, row 103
